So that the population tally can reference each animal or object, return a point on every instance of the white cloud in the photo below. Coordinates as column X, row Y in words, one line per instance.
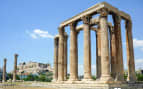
column 138, row 43
column 38, row 33
column 139, row 64
column 33, row 36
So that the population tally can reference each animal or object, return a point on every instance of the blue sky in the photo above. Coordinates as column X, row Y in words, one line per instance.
column 27, row 27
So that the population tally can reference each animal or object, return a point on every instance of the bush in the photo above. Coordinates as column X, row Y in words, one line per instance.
column 94, row 77
column 125, row 76
column 17, row 77
column 30, row 77
column 140, row 77
column 41, row 77
column 45, row 78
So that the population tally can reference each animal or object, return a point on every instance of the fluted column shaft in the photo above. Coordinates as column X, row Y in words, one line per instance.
column 73, row 53
column 15, row 67
column 87, row 48
column 98, row 54
column 113, row 52
column 4, row 71
column 119, row 50
column 105, row 64
column 56, row 46
column 130, row 52
column 65, row 56
column 61, row 55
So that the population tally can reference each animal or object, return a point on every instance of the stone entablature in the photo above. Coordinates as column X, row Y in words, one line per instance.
column 33, row 68
column 94, row 9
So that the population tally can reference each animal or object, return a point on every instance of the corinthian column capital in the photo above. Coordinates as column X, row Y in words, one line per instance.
column 72, row 26
column 86, row 19
column 103, row 12
column 5, row 60
column 16, row 55
column 61, row 31
column 56, row 38
column 117, row 19
column 128, row 25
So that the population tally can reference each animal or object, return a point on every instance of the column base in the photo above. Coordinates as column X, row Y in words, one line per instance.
column 59, row 81
column 54, row 80
column 3, row 81
column 65, row 79
column 106, row 79
column 13, row 80
column 87, row 79
column 72, row 80
column 98, row 79
column 131, row 80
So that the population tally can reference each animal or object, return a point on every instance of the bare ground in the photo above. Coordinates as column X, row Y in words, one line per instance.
column 23, row 88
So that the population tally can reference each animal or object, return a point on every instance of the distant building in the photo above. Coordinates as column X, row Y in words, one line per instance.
column 33, row 68
column 0, row 74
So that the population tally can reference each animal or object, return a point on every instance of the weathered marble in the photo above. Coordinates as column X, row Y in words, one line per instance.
column 98, row 54
column 87, row 48
column 65, row 56
column 4, row 71
column 61, row 55
column 15, row 67
column 56, row 46
column 105, row 65
column 113, row 52
column 130, row 52
column 119, row 50
column 73, row 53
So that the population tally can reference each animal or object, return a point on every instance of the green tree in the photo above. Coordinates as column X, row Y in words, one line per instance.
column 45, row 77
column 140, row 77
column 125, row 76
column 36, row 78
column 10, row 76
column 42, row 77
column 30, row 77
column 17, row 77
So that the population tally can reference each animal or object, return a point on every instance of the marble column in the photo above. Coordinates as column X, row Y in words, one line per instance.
column 4, row 71
column 98, row 54
column 56, row 46
column 73, row 53
column 113, row 52
column 15, row 67
column 105, row 63
column 130, row 52
column 119, row 50
column 61, row 55
column 65, row 56
column 87, row 48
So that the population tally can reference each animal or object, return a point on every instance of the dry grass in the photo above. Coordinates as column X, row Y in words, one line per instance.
column 17, row 85
column 23, row 88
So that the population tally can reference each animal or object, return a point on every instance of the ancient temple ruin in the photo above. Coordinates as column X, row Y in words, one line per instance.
column 109, row 51
column 107, row 71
